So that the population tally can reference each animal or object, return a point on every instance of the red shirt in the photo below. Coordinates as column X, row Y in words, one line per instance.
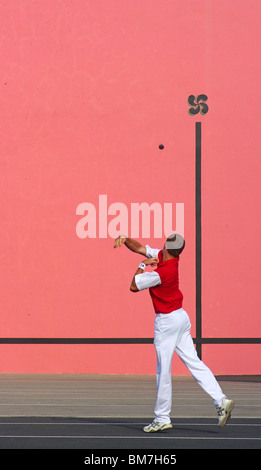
column 166, row 296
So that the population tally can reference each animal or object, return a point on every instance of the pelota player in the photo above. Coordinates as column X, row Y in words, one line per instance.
column 171, row 328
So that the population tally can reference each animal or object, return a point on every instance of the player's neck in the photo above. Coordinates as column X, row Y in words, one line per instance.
column 166, row 256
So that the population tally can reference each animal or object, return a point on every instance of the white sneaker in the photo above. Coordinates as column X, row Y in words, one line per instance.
column 224, row 411
column 157, row 426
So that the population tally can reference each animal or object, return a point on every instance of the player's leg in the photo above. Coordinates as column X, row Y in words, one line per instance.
column 166, row 334
column 164, row 342
column 168, row 329
column 203, row 375
column 163, row 375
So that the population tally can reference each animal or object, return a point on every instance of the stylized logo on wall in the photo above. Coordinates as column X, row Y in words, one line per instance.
column 197, row 105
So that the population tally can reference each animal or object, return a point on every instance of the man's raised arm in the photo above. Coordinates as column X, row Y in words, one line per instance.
column 132, row 244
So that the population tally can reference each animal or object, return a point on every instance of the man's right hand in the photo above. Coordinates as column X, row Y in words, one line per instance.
column 118, row 241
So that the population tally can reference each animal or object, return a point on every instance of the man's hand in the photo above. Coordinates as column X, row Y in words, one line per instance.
column 118, row 242
column 151, row 261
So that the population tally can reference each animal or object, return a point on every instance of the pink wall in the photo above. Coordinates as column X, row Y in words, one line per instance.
column 88, row 91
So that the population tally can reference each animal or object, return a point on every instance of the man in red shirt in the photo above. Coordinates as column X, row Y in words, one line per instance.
column 171, row 328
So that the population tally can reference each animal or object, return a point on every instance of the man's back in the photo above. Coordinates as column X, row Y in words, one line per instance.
column 166, row 296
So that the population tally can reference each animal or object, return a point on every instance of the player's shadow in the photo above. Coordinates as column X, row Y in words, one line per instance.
column 184, row 430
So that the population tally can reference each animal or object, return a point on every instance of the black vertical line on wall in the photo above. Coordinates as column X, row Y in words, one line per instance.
column 198, row 242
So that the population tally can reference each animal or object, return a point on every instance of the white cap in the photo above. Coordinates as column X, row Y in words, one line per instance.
column 176, row 242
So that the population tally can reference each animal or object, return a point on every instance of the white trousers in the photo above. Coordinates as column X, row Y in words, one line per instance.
column 172, row 333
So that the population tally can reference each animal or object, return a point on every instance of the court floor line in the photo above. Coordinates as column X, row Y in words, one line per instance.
column 134, row 437
column 108, row 405
column 78, row 396
column 24, row 423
